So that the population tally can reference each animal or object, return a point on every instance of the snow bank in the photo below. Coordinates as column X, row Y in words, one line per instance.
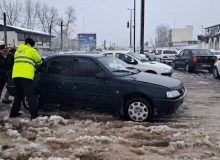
column 57, row 142
column 85, row 150
column 13, row 133
column 100, row 139
column 159, row 129
column 58, row 120
column 179, row 145
column 50, row 158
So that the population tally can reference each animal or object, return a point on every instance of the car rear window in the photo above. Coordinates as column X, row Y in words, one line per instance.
column 202, row 52
column 169, row 52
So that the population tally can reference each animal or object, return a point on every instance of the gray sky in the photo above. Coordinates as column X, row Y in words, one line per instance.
column 108, row 18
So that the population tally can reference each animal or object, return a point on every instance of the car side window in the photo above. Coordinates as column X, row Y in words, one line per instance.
column 121, row 56
column 60, row 66
column 181, row 53
column 84, row 67
column 186, row 53
column 131, row 60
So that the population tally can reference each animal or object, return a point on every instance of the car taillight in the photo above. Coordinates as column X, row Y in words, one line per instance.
column 194, row 59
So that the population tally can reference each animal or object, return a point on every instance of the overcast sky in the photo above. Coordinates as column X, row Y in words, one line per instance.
column 108, row 18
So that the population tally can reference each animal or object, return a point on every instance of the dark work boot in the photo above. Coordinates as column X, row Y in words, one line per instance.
column 15, row 115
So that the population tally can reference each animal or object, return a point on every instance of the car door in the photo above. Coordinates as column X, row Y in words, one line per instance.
column 55, row 81
column 184, row 58
column 127, row 59
column 93, row 93
column 178, row 59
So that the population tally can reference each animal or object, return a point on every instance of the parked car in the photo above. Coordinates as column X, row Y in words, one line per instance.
column 216, row 70
column 134, row 59
column 165, row 55
column 216, row 53
column 105, row 84
column 193, row 59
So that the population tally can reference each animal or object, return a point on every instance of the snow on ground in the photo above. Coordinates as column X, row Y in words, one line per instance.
column 190, row 134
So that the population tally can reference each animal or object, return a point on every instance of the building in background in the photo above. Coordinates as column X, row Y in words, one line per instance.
column 181, row 37
column 210, row 39
column 17, row 36
column 87, row 41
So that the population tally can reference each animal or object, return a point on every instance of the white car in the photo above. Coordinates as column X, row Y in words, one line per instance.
column 216, row 53
column 165, row 55
column 134, row 60
column 216, row 70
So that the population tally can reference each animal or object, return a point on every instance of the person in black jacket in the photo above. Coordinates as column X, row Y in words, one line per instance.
column 9, row 66
column 6, row 64
column 3, row 73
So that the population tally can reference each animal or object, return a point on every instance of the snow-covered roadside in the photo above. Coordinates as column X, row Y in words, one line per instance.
column 191, row 134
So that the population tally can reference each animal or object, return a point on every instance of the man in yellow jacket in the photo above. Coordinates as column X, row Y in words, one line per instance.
column 25, row 60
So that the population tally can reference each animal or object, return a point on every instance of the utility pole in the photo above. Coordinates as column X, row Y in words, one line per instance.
column 131, row 26
column 50, row 30
column 142, row 27
column 134, row 23
column 61, row 27
column 5, row 29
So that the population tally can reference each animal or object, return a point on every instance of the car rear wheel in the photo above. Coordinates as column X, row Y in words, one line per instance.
column 215, row 73
column 138, row 110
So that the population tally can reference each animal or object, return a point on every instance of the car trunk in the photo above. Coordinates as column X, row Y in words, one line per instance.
column 205, row 59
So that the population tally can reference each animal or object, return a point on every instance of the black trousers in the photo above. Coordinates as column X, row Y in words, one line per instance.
column 24, row 88
column 3, row 80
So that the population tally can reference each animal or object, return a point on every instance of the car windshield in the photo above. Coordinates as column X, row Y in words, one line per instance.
column 117, row 66
column 138, row 57
column 202, row 52
column 169, row 52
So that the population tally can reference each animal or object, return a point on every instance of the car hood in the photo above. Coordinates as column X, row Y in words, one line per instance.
column 156, row 64
column 156, row 80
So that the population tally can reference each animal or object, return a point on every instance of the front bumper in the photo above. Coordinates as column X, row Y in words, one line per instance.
column 166, row 60
column 168, row 106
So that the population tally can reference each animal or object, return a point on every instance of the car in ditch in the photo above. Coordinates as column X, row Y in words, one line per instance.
column 105, row 84
column 133, row 59
column 195, row 59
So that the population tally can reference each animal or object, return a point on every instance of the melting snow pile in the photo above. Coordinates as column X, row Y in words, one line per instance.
column 159, row 129
column 55, row 120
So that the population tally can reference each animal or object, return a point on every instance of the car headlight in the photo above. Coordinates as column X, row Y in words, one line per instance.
column 166, row 69
column 173, row 94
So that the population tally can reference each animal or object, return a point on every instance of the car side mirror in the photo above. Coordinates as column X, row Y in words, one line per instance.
column 101, row 75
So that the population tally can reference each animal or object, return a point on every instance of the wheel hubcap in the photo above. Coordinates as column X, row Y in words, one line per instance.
column 138, row 111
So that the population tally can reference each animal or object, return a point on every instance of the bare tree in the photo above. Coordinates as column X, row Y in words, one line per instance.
column 162, row 36
column 13, row 11
column 30, row 13
column 69, row 21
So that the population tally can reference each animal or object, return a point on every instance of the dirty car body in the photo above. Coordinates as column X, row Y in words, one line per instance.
column 106, row 84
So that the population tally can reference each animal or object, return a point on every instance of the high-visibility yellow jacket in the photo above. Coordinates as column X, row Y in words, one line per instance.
column 25, row 59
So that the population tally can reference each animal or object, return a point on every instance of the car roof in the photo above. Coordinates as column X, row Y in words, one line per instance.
column 94, row 56
column 116, row 51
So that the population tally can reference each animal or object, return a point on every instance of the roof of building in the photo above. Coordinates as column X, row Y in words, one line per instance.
column 27, row 30
column 212, row 26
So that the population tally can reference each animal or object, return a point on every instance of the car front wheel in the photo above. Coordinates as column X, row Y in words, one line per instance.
column 174, row 65
column 215, row 73
column 26, row 105
column 188, row 68
column 138, row 110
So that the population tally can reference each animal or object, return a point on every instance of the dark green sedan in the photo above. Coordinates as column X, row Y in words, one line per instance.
column 107, row 85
